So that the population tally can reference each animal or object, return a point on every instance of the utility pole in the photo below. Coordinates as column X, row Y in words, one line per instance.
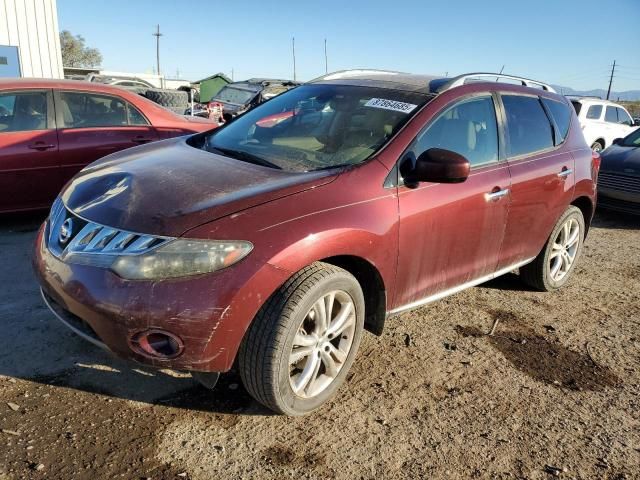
column 157, row 35
column 613, row 69
column 232, row 74
column 293, row 48
column 326, row 62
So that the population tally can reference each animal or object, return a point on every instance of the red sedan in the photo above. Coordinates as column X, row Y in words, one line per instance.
column 50, row 129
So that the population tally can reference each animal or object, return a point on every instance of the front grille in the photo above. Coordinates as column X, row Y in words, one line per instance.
column 622, row 183
column 77, row 240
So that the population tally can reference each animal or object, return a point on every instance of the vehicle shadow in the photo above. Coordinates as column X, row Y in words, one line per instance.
column 40, row 349
column 616, row 220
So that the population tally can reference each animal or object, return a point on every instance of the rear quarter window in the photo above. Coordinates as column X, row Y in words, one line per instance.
column 528, row 127
column 561, row 116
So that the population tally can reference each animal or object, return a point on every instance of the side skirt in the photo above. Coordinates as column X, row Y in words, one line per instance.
column 459, row 288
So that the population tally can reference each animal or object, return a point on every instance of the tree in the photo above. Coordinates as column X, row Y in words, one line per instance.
column 74, row 52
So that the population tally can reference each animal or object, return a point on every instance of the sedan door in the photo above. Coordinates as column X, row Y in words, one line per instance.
column 451, row 234
column 29, row 173
column 93, row 125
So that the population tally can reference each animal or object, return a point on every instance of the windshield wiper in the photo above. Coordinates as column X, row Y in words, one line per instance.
column 245, row 157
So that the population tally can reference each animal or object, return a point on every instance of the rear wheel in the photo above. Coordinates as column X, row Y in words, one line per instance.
column 302, row 343
column 554, row 265
column 597, row 146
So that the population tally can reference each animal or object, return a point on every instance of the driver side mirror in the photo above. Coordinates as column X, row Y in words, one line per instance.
column 438, row 165
column 618, row 141
column 636, row 122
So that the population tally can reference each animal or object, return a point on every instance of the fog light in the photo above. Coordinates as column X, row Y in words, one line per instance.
column 157, row 344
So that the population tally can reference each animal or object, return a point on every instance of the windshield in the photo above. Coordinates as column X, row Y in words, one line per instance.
column 633, row 139
column 234, row 95
column 317, row 126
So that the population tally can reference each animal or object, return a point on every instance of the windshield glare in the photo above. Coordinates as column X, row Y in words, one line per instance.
column 318, row 126
column 234, row 95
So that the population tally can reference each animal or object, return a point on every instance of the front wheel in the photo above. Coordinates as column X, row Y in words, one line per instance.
column 303, row 341
column 597, row 147
column 554, row 265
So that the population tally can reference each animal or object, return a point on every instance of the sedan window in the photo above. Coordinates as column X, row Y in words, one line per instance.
column 623, row 117
column 87, row 110
column 24, row 111
column 611, row 115
column 594, row 112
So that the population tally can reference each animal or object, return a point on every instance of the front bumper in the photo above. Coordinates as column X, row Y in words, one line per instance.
column 619, row 192
column 209, row 313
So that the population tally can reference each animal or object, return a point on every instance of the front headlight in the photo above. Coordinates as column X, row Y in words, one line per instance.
column 180, row 258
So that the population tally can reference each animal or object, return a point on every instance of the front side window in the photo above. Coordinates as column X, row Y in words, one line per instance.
column 611, row 115
column 561, row 116
column 468, row 128
column 632, row 140
column 87, row 110
column 316, row 126
column 623, row 117
column 594, row 112
column 528, row 127
column 23, row 111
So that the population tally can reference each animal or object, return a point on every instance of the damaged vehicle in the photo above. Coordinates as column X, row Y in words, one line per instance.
column 238, row 97
column 273, row 242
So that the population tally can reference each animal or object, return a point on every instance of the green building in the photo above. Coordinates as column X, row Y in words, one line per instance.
column 210, row 86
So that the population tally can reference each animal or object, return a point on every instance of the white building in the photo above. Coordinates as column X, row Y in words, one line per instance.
column 29, row 39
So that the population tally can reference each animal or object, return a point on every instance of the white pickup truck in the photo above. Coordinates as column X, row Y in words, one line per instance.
column 602, row 121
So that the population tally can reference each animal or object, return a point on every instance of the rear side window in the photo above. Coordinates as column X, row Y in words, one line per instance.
column 468, row 128
column 594, row 112
column 611, row 115
column 528, row 128
column 87, row 110
column 561, row 116
column 23, row 111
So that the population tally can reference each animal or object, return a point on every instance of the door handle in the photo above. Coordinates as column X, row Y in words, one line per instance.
column 141, row 140
column 41, row 146
column 565, row 172
column 496, row 194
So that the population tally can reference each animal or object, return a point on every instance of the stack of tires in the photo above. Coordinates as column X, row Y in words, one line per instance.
column 175, row 100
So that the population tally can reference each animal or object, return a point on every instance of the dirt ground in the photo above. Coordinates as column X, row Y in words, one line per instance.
column 554, row 392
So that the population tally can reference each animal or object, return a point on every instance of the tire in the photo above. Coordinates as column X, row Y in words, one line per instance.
column 539, row 273
column 266, row 351
column 597, row 146
column 168, row 98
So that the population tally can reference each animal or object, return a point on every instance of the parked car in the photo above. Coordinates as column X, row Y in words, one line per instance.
column 619, row 180
column 602, row 121
column 119, row 81
column 238, row 97
column 50, row 129
column 274, row 243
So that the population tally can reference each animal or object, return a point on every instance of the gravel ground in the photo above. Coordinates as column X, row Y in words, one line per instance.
column 553, row 392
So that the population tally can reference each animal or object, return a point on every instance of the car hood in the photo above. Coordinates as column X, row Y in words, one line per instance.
column 169, row 187
column 620, row 159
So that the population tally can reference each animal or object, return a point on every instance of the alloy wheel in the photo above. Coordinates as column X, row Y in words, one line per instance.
column 564, row 249
column 322, row 344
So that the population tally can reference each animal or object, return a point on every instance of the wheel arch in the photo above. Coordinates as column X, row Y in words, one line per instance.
column 587, row 208
column 372, row 285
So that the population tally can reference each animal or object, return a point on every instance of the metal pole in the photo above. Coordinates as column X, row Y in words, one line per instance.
column 158, row 35
column 293, row 47
column 611, row 79
column 326, row 62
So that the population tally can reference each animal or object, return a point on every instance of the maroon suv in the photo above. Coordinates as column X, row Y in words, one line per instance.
column 272, row 244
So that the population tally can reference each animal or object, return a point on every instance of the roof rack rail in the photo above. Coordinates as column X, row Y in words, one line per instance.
column 462, row 79
column 583, row 96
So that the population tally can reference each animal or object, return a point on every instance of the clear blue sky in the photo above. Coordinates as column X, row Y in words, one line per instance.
column 567, row 42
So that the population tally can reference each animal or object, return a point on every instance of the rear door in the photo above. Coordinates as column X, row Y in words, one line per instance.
column 542, row 177
column 92, row 125
column 29, row 173
column 451, row 234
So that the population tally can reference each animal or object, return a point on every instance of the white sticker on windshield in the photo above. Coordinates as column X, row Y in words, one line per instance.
column 390, row 105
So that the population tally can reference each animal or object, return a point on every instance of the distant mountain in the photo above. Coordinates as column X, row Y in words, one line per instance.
column 628, row 96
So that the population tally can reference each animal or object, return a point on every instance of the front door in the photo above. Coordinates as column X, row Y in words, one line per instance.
column 29, row 173
column 451, row 234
